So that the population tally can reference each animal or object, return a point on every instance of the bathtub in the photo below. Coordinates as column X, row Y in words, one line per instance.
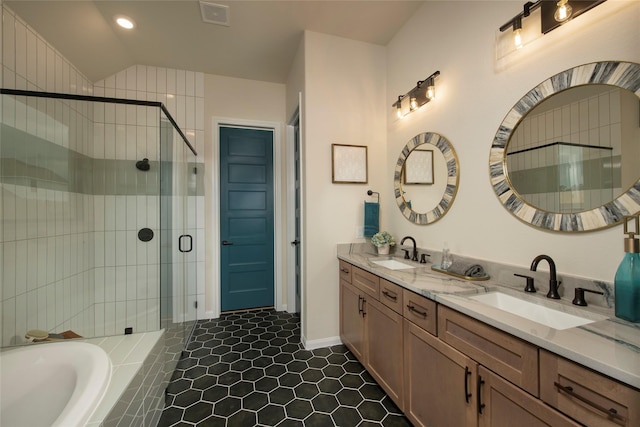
column 52, row 384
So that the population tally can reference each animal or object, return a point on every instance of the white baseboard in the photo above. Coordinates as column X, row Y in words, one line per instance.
column 208, row 315
column 321, row 343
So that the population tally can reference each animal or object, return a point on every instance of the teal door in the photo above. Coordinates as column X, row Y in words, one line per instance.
column 246, row 218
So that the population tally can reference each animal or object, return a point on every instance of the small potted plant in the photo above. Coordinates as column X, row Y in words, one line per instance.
column 383, row 240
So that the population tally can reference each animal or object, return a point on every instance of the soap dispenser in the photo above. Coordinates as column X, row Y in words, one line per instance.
column 627, row 281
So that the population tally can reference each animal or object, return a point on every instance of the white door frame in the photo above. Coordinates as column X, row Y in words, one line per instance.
column 278, row 218
column 291, row 226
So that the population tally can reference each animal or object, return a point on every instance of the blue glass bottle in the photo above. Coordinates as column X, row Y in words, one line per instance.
column 627, row 280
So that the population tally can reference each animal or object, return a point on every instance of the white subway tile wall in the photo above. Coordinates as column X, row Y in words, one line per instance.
column 594, row 120
column 72, row 259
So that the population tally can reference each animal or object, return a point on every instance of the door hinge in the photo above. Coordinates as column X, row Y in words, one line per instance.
column 195, row 304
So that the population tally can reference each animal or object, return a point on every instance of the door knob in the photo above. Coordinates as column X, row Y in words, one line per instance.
column 295, row 243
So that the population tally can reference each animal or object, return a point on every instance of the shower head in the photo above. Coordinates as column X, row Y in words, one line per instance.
column 143, row 164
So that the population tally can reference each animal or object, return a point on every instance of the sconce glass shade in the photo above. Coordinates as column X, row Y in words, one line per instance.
column 431, row 90
column 398, row 105
column 414, row 103
column 517, row 38
column 563, row 12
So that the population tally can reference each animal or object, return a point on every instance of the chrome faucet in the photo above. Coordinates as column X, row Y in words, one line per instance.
column 414, row 257
column 553, row 282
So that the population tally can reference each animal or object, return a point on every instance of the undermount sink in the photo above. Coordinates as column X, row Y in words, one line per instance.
column 392, row 264
column 538, row 313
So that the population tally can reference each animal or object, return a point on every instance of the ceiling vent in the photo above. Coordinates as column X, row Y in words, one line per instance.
column 214, row 13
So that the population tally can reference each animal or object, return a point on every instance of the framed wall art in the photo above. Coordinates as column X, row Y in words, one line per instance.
column 348, row 164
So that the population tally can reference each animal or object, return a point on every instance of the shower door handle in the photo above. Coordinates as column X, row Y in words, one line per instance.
column 180, row 248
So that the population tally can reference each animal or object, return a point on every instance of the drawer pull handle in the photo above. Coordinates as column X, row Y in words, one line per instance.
column 412, row 308
column 390, row 295
column 345, row 270
column 609, row 412
column 360, row 299
column 467, row 374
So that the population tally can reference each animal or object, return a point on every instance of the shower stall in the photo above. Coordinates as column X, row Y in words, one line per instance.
column 97, row 218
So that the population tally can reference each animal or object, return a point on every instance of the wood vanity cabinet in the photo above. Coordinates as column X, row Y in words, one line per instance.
column 585, row 395
column 372, row 330
column 384, row 343
column 443, row 368
column 501, row 403
column 351, row 319
column 440, row 381
column 512, row 358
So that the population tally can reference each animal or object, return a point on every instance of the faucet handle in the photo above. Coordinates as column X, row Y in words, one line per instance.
column 406, row 253
column 579, row 296
column 529, row 287
column 423, row 260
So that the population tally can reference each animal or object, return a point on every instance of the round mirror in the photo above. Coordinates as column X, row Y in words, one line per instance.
column 426, row 178
column 565, row 156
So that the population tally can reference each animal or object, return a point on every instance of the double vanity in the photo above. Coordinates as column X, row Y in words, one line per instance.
column 463, row 353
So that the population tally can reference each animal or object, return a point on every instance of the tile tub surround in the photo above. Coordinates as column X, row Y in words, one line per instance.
column 141, row 367
column 611, row 347
column 250, row 369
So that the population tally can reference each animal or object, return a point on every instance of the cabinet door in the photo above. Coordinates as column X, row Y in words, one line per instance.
column 351, row 319
column 587, row 396
column 440, row 382
column 500, row 403
column 383, row 340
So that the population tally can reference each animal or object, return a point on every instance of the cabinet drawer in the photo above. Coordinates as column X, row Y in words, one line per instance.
column 420, row 310
column 345, row 271
column 391, row 295
column 367, row 282
column 508, row 356
column 585, row 395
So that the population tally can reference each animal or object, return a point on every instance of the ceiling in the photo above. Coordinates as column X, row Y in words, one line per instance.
column 260, row 43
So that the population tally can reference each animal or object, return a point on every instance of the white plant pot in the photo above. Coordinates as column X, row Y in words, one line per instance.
column 383, row 250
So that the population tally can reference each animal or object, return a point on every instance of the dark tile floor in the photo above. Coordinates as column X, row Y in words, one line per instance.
column 249, row 369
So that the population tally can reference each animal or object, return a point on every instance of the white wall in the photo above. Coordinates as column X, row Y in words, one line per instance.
column 473, row 95
column 344, row 104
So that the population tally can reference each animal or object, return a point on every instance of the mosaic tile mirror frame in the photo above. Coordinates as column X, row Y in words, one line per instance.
column 623, row 75
column 443, row 191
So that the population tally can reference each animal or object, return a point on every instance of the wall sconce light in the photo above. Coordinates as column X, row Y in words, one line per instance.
column 517, row 31
column 424, row 92
column 563, row 11
column 552, row 15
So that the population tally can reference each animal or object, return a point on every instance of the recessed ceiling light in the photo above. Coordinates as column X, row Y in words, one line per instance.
column 125, row 22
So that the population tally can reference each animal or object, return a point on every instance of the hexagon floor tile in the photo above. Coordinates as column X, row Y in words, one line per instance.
column 249, row 369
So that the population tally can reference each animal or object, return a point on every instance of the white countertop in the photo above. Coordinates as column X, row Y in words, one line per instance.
column 611, row 347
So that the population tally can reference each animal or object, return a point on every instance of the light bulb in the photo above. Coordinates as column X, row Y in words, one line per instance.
column 563, row 12
column 414, row 103
column 431, row 91
column 399, row 111
column 517, row 38
column 125, row 22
